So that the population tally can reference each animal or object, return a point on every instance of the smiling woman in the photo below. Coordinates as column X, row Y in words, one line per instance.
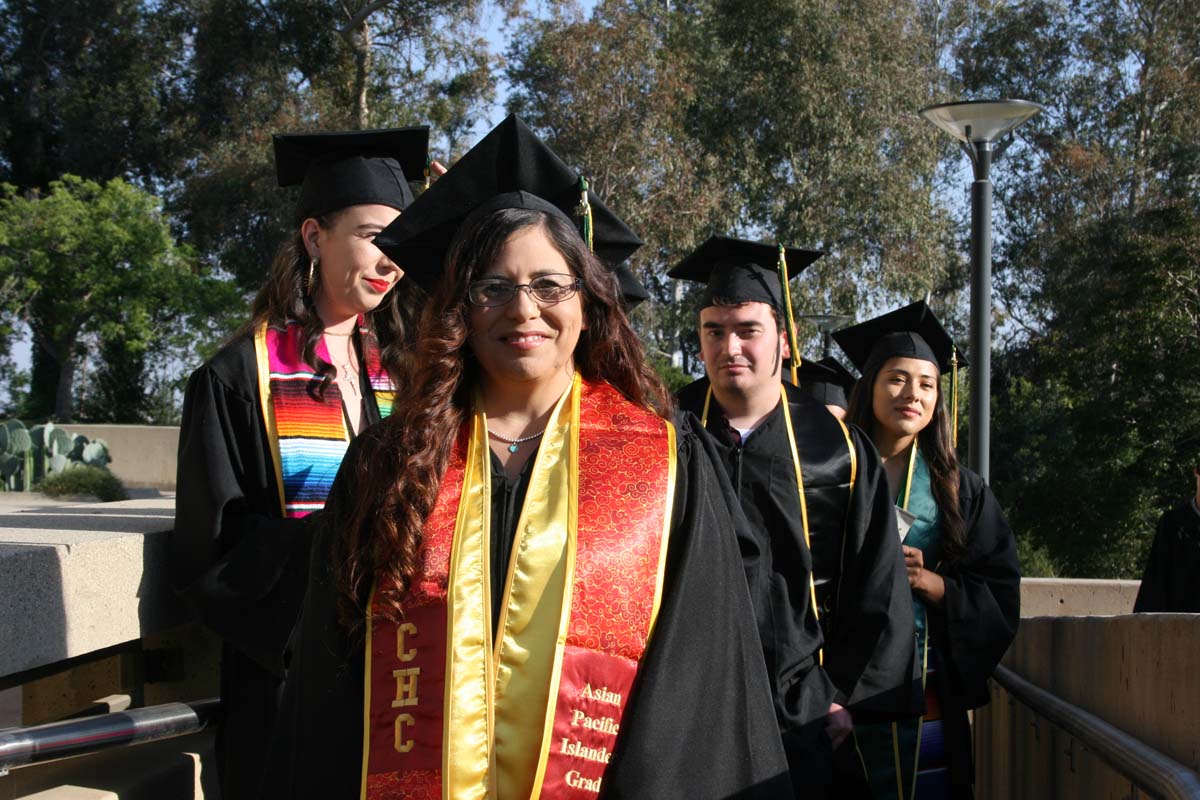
column 267, row 420
column 529, row 579
column 959, row 553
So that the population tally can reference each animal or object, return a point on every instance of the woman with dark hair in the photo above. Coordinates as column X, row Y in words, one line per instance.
column 960, row 554
column 267, row 419
column 529, row 584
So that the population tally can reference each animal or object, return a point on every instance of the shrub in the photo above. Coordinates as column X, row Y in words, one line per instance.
column 83, row 480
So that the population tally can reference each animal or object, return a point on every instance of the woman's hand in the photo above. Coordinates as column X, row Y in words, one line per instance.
column 838, row 725
column 924, row 582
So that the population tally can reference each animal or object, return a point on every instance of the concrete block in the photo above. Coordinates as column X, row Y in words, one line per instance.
column 82, row 577
column 1076, row 597
column 169, row 769
column 73, row 793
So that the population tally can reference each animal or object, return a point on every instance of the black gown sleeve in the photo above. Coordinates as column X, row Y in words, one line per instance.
column 871, row 653
column 235, row 559
column 1152, row 594
column 977, row 619
column 1169, row 584
column 317, row 750
column 700, row 722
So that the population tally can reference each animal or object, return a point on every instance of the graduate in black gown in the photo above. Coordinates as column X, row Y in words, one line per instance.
column 827, row 382
column 960, row 554
column 267, row 419
column 513, row 591
column 839, row 548
column 1172, row 577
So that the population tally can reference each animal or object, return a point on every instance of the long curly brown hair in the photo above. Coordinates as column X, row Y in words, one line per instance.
column 936, row 447
column 287, row 296
column 398, row 470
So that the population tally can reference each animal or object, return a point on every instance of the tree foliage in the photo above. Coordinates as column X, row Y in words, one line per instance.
column 788, row 120
column 93, row 263
column 1097, row 416
column 781, row 120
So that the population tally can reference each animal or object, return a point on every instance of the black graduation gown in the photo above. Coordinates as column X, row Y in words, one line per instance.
column 699, row 724
column 1173, row 569
column 236, row 560
column 975, row 623
column 862, row 589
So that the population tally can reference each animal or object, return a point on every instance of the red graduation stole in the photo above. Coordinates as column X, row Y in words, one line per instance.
column 451, row 713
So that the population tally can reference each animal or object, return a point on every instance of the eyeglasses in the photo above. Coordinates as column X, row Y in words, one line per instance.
column 546, row 290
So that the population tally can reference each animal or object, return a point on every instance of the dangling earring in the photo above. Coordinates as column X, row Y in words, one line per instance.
column 312, row 268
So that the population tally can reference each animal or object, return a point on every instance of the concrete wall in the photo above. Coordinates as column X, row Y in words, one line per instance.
column 1076, row 597
column 1136, row 672
column 80, row 577
column 89, row 620
column 143, row 455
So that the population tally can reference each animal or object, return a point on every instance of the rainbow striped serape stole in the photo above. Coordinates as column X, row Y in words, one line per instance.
column 309, row 428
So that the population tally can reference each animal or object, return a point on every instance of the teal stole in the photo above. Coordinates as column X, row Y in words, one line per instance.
column 906, row 760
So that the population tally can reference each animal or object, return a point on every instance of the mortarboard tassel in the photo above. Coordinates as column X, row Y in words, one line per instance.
column 428, row 177
column 584, row 210
column 794, row 361
column 954, row 395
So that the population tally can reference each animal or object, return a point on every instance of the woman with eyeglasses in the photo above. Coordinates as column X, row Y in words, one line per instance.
column 529, row 584
column 267, row 419
column 959, row 552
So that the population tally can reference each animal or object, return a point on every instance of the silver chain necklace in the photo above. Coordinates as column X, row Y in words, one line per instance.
column 513, row 444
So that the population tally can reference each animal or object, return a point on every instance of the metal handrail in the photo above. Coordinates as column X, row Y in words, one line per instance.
column 20, row 747
column 1137, row 761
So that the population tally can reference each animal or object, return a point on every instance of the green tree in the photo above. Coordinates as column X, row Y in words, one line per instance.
column 809, row 108
column 1097, row 413
column 89, row 88
column 785, row 120
column 93, row 265
column 292, row 65
column 1098, row 420
column 611, row 96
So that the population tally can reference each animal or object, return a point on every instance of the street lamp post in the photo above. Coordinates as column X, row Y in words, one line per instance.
column 980, row 127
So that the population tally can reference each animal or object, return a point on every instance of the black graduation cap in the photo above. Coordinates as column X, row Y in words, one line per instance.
column 910, row 332
column 826, row 381
column 738, row 271
column 508, row 168
column 349, row 168
column 633, row 293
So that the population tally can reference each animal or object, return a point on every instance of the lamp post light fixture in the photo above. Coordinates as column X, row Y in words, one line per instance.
column 980, row 127
column 826, row 324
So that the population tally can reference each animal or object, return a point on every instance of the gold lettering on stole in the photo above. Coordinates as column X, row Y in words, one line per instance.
column 403, row 654
column 406, row 686
column 401, row 744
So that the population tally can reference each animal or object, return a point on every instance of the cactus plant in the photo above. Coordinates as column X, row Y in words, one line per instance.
column 78, row 442
column 60, row 442
column 37, row 435
column 44, row 450
column 16, row 442
column 95, row 454
column 9, row 466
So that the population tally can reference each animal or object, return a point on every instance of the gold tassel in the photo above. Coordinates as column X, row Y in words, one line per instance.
column 794, row 362
column 428, row 176
column 954, row 394
column 584, row 210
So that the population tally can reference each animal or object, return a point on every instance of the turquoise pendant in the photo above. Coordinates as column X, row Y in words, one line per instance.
column 512, row 448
